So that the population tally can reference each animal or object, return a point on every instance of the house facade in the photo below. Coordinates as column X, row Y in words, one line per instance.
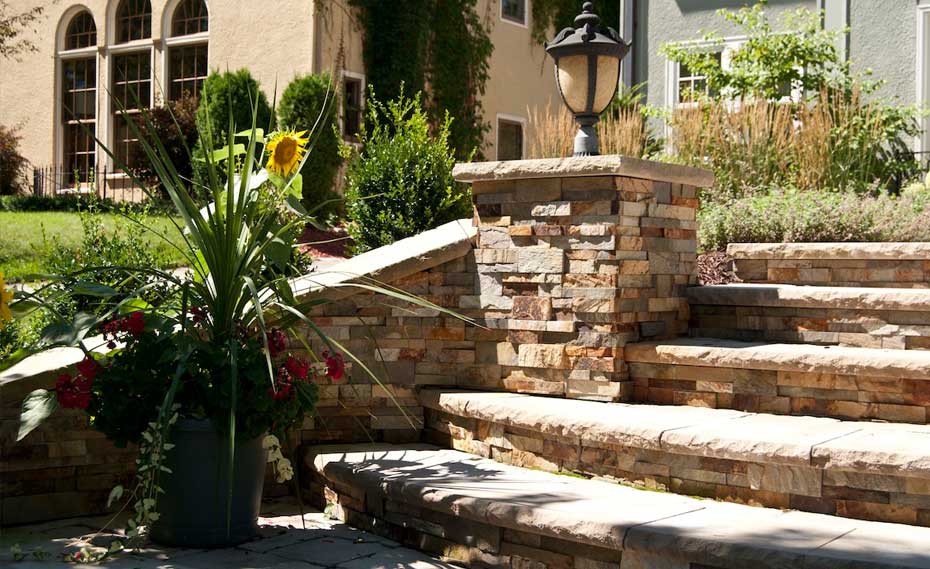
column 95, row 56
column 889, row 37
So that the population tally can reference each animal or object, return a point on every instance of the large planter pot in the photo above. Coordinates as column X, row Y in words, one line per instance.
column 193, row 507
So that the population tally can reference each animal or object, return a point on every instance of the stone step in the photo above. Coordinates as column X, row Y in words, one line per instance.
column 893, row 318
column 487, row 514
column 798, row 379
column 875, row 471
column 893, row 265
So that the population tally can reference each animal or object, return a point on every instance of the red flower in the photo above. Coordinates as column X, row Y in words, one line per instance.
column 335, row 365
column 282, row 386
column 277, row 341
column 73, row 392
column 297, row 367
column 88, row 368
column 134, row 325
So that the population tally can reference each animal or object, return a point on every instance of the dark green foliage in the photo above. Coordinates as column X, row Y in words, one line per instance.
column 458, row 73
column 438, row 47
column 175, row 125
column 235, row 90
column 550, row 16
column 12, row 163
column 73, row 203
column 300, row 107
column 401, row 184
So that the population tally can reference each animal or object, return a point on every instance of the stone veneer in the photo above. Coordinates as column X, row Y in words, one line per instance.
column 576, row 258
column 896, row 265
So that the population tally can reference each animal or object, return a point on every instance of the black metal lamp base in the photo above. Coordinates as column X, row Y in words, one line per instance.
column 586, row 143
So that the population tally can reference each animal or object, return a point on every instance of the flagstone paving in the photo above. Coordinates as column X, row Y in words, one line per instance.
column 284, row 544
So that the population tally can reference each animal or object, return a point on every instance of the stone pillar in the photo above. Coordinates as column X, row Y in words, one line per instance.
column 576, row 258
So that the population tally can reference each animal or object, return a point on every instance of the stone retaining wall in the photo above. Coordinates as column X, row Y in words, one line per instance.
column 897, row 265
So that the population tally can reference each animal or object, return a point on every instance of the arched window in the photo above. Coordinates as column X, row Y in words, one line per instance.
column 78, row 112
column 133, row 20
column 130, row 71
column 187, row 49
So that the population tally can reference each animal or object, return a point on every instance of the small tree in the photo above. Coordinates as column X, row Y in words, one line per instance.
column 301, row 104
column 771, row 61
column 401, row 183
column 175, row 125
column 12, row 164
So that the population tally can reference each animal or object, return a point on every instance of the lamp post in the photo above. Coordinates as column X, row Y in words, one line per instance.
column 587, row 69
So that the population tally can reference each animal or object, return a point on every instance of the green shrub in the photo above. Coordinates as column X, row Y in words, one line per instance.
column 224, row 92
column 813, row 216
column 13, row 165
column 74, row 203
column 401, row 183
column 175, row 125
column 300, row 108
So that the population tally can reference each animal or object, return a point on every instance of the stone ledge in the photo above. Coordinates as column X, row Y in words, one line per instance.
column 711, row 352
column 389, row 263
column 830, row 251
column 673, row 528
column 794, row 296
column 610, row 165
column 830, row 444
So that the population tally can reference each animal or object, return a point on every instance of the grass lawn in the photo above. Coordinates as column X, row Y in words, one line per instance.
column 23, row 237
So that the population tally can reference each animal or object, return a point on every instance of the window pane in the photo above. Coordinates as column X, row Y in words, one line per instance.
column 133, row 20
column 352, row 107
column 79, row 82
column 187, row 66
column 132, row 80
column 514, row 10
column 509, row 140
column 78, row 152
column 190, row 17
column 82, row 32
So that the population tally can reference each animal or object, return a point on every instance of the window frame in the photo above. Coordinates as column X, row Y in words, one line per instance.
column 117, row 25
column 514, row 120
column 362, row 86
column 170, row 42
column 511, row 20
column 62, row 57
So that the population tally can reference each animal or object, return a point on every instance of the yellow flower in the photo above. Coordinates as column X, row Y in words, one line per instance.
column 5, row 298
column 285, row 151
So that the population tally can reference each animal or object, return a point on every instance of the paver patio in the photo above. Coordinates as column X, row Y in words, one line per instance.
column 283, row 544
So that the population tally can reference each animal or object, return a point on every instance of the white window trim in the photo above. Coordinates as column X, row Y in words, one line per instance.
column 511, row 21
column 362, row 100
column 497, row 135
column 62, row 55
column 922, row 140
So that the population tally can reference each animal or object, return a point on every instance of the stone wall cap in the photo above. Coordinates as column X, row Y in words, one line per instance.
column 806, row 358
column 897, row 251
column 391, row 262
column 609, row 165
column 619, row 517
column 800, row 296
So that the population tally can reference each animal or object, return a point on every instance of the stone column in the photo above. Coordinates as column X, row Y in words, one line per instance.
column 576, row 258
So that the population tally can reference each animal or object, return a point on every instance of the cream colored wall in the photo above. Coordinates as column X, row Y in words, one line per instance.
column 248, row 33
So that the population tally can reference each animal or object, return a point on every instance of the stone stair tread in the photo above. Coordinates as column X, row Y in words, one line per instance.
column 809, row 296
column 617, row 517
column 809, row 358
column 829, row 444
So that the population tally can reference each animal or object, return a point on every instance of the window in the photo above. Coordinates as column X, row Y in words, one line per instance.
column 82, row 32
column 133, row 21
column 352, row 107
column 691, row 84
column 514, row 11
column 132, row 89
column 509, row 140
column 187, row 47
column 78, row 109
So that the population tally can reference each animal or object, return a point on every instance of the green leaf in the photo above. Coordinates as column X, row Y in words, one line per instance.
column 224, row 153
column 23, row 307
column 36, row 408
column 259, row 133
column 65, row 334
column 296, row 188
column 115, row 494
column 295, row 205
column 131, row 305
column 87, row 288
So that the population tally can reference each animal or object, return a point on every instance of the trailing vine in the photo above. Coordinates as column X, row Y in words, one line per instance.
column 549, row 16
column 439, row 47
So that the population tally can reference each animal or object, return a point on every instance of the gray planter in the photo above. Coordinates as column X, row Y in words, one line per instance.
column 193, row 508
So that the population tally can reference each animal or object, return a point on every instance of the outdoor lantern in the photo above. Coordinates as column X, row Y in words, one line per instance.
column 587, row 70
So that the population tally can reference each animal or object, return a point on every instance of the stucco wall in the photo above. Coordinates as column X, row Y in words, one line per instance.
column 884, row 39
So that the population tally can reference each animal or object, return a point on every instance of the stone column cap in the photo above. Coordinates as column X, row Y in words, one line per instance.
column 609, row 165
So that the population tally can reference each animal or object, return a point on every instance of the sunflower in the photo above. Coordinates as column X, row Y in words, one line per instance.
column 5, row 297
column 285, row 151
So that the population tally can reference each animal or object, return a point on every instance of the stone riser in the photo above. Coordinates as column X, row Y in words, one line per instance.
column 875, row 497
column 888, row 329
column 825, row 272
column 454, row 538
column 783, row 392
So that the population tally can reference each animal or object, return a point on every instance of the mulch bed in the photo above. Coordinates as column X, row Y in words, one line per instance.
column 332, row 243
column 716, row 268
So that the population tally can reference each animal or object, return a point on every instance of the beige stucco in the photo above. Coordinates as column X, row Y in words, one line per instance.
column 276, row 40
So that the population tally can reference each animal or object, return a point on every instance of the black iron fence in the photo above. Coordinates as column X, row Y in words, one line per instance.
column 105, row 183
